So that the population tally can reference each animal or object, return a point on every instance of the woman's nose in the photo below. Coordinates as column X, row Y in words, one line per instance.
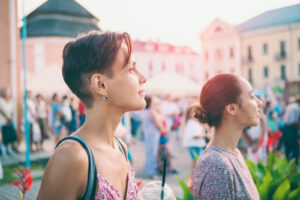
column 143, row 78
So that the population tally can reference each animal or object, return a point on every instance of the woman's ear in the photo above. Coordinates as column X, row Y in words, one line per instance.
column 231, row 109
column 98, row 84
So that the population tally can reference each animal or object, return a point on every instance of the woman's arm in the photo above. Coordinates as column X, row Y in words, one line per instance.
column 66, row 174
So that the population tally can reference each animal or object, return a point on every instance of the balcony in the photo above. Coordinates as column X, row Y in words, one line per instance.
column 280, row 56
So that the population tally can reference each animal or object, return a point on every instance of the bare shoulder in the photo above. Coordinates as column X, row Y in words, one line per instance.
column 70, row 154
column 66, row 174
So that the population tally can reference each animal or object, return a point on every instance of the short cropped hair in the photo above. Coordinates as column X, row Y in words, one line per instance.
column 92, row 53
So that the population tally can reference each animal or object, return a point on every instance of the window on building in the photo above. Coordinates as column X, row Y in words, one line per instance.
column 192, row 66
column 266, row 72
column 283, row 72
column 163, row 66
column 182, row 68
column 265, row 47
column 206, row 76
column 179, row 68
column 299, row 43
column 231, row 52
column 206, row 56
column 218, row 29
column 250, row 78
column 218, row 54
column 299, row 69
column 249, row 53
column 282, row 48
column 219, row 72
column 150, row 67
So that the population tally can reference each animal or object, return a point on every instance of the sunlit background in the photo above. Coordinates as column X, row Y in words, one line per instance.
column 177, row 44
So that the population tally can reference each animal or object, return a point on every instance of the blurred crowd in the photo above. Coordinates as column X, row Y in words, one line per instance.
column 166, row 117
column 163, row 118
column 53, row 117
column 278, row 130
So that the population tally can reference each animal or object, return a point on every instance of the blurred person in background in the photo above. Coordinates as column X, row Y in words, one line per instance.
column 228, row 103
column 1, row 168
column 255, row 137
column 135, row 124
column 291, row 121
column 56, row 115
column 170, row 109
column 164, row 151
column 274, row 133
column 151, row 126
column 34, row 131
column 279, row 108
column 73, row 124
column 193, row 136
column 66, row 117
column 9, row 135
column 42, row 114
column 82, row 113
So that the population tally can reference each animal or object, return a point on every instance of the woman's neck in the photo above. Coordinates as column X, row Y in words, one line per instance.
column 227, row 136
column 100, row 125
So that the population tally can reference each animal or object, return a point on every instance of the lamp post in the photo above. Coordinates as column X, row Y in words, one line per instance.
column 25, row 111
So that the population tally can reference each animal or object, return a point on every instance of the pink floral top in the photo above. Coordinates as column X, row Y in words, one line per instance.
column 106, row 191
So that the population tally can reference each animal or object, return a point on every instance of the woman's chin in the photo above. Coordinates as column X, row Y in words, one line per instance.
column 138, row 106
column 254, row 122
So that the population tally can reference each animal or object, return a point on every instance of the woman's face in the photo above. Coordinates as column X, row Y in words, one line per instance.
column 250, row 106
column 125, row 88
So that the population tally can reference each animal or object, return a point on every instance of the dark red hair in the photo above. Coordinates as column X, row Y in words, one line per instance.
column 218, row 92
column 92, row 53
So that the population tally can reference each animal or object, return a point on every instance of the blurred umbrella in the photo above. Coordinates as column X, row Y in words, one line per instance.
column 172, row 84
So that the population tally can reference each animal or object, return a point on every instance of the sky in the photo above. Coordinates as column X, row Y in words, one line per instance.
column 178, row 22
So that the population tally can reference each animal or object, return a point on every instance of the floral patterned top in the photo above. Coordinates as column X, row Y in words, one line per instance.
column 107, row 191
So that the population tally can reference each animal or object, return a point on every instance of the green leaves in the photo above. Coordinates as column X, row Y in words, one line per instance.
column 282, row 191
column 276, row 178
column 253, row 170
column 187, row 194
column 296, row 178
column 263, row 189
column 294, row 195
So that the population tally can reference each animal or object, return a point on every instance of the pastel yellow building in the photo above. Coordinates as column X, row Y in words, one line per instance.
column 268, row 50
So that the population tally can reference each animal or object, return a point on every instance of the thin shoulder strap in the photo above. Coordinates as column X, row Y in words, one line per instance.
column 92, row 171
column 121, row 147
